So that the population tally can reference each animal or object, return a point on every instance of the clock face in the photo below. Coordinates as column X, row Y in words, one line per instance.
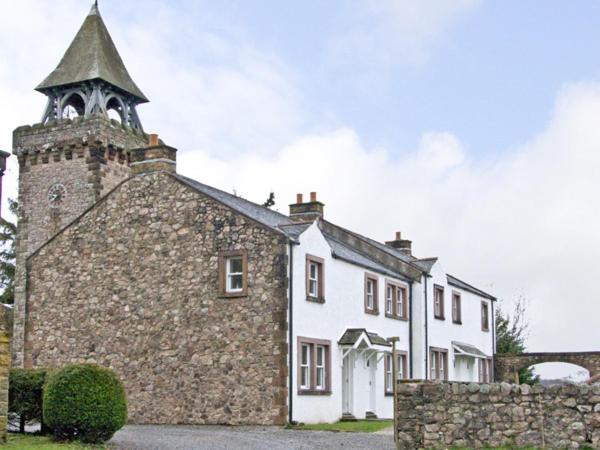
column 56, row 194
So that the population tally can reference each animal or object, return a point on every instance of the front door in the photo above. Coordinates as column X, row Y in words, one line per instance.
column 372, row 366
column 347, row 385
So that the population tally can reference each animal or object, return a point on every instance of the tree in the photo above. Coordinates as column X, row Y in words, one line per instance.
column 8, row 236
column 270, row 201
column 511, row 334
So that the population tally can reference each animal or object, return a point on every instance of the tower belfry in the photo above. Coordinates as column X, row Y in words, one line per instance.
column 91, row 78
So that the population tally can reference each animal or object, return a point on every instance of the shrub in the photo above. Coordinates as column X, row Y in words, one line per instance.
column 85, row 402
column 25, row 390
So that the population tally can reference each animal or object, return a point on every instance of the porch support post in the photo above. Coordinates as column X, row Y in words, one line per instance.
column 393, row 341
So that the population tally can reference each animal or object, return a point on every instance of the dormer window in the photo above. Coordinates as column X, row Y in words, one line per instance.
column 371, row 294
column 314, row 279
column 438, row 302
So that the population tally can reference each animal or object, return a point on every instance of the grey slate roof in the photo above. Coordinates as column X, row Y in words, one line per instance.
column 345, row 252
column 351, row 335
column 259, row 213
column 467, row 287
column 92, row 55
column 283, row 224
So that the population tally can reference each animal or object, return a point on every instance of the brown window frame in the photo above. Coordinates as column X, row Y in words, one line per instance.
column 313, row 344
column 375, row 280
column 485, row 318
column 437, row 288
column 320, row 262
column 389, row 390
column 457, row 318
column 396, row 286
column 434, row 355
column 222, row 269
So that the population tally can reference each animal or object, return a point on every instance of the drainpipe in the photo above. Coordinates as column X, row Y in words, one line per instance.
column 410, row 329
column 426, row 377
column 291, row 333
column 493, row 342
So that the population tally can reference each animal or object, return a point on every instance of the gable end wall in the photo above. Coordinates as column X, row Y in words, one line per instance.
column 133, row 285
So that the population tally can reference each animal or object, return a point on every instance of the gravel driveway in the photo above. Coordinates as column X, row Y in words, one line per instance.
column 148, row 437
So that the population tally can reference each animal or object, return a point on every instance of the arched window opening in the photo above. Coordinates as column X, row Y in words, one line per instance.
column 559, row 373
column 73, row 106
column 115, row 111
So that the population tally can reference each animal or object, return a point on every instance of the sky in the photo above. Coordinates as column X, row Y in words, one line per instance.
column 473, row 127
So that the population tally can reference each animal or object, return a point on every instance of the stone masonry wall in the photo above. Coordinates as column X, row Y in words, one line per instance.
column 444, row 415
column 88, row 157
column 133, row 285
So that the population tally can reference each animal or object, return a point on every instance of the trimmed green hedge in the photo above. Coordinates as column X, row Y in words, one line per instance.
column 25, row 391
column 84, row 402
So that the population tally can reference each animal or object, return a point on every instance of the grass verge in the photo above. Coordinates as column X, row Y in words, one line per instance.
column 29, row 442
column 360, row 426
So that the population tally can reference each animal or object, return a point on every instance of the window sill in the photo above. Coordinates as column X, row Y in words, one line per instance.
column 233, row 294
column 313, row 392
column 487, row 330
column 457, row 322
column 315, row 299
column 373, row 312
column 391, row 316
column 439, row 317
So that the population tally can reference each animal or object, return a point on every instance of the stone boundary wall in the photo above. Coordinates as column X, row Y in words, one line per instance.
column 5, row 333
column 443, row 415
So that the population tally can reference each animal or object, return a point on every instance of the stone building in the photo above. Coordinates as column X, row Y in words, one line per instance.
column 212, row 309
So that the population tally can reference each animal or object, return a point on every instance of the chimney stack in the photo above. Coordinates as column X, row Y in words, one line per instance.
column 301, row 211
column 157, row 156
column 404, row 245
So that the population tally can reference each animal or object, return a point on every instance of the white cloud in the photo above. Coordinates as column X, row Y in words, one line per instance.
column 524, row 224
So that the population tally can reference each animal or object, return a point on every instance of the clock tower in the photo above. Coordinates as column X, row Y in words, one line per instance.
column 80, row 149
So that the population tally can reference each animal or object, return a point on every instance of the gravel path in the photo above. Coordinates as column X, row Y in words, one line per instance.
column 149, row 437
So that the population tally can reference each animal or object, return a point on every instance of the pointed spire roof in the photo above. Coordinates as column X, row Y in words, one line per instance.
column 92, row 55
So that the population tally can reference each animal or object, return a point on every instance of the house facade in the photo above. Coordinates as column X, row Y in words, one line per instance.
column 213, row 309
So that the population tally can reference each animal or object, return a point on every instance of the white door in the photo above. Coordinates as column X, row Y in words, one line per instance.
column 347, row 385
column 372, row 365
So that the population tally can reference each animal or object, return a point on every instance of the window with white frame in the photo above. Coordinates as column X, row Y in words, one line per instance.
column 402, row 366
column 320, row 368
column 305, row 366
column 233, row 268
column 456, row 308
column 389, row 387
column 314, row 278
column 314, row 365
column 485, row 370
column 439, row 363
column 389, row 299
column 438, row 302
column 371, row 294
column 401, row 294
column 396, row 300
column 235, row 274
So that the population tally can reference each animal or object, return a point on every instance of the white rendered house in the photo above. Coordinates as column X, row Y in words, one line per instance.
column 348, row 294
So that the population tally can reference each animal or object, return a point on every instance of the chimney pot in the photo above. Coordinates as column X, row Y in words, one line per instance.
column 153, row 140
column 299, row 198
column 313, row 196
column 398, row 235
